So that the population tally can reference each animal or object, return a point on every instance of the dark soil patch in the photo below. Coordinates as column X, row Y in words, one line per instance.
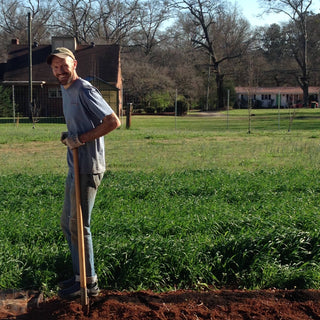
column 182, row 305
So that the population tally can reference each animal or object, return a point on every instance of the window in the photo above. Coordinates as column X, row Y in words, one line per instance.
column 54, row 93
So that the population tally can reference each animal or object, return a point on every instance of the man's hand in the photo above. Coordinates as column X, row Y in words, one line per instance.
column 64, row 136
column 70, row 141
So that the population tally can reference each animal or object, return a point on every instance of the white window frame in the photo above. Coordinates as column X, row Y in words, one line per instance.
column 54, row 93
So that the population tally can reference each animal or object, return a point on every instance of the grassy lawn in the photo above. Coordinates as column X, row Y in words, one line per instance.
column 185, row 203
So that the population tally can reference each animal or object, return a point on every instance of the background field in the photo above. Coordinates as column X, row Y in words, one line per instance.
column 186, row 202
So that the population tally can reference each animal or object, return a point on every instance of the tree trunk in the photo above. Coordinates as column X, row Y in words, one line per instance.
column 304, row 85
column 220, row 95
column 305, row 89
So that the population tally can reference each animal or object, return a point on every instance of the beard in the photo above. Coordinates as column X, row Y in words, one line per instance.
column 65, row 78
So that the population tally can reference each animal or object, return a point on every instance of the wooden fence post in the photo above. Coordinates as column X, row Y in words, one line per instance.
column 128, row 114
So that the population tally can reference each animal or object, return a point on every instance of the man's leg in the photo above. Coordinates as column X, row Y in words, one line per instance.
column 88, row 186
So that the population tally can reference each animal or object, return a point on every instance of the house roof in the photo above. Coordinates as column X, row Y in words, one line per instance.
column 93, row 61
column 275, row 90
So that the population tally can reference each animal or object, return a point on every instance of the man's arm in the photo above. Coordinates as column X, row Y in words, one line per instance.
column 109, row 123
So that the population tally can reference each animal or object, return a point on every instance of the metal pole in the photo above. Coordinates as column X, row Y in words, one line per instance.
column 13, row 105
column 228, row 109
column 30, row 66
column 175, row 109
column 208, row 84
column 249, row 112
column 279, row 97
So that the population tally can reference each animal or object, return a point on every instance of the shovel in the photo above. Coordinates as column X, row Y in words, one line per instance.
column 82, row 260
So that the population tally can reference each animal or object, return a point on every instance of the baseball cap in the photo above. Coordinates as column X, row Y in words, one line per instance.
column 60, row 53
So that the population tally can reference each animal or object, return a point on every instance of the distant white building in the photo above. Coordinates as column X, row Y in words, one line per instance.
column 264, row 97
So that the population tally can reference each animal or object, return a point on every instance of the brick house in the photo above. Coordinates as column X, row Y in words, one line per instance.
column 99, row 64
column 272, row 97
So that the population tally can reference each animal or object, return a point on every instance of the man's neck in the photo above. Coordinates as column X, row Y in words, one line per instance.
column 75, row 78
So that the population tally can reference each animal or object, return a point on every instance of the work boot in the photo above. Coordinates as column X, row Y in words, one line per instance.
column 74, row 291
column 67, row 283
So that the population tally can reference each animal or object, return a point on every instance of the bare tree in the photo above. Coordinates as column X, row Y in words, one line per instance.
column 297, row 35
column 76, row 18
column 151, row 16
column 142, row 79
column 221, row 34
column 41, row 14
column 13, row 21
column 106, row 21
column 117, row 19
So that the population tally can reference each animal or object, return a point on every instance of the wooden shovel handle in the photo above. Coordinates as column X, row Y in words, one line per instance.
column 82, row 260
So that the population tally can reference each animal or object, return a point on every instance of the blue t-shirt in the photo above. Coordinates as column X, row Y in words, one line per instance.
column 84, row 109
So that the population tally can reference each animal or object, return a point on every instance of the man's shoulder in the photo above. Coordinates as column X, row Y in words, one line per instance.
column 84, row 83
column 86, row 89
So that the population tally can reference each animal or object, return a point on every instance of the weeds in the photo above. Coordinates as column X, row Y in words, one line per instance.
column 186, row 208
column 165, row 231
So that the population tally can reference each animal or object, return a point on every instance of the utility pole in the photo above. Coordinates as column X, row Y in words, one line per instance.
column 175, row 109
column 30, row 98
column 208, row 84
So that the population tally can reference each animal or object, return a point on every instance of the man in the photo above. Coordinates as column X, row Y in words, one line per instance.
column 88, row 118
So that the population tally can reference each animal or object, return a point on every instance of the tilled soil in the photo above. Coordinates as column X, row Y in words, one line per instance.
column 181, row 304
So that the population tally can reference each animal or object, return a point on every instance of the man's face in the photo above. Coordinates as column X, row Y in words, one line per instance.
column 64, row 70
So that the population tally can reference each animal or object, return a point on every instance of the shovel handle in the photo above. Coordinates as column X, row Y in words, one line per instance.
column 82, row 260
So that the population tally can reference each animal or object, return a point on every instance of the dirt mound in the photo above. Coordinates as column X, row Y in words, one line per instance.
column 182, row 305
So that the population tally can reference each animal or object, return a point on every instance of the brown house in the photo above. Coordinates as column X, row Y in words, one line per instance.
column 99, row 64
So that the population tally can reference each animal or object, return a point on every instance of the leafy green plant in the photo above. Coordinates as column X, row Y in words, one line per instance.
column 178, row 208
column 5, row 102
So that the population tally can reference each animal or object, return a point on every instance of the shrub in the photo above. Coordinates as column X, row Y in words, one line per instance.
column 182, row 107
column 5, row 102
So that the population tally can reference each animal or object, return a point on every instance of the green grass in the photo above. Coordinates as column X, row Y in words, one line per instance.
column 185, row 203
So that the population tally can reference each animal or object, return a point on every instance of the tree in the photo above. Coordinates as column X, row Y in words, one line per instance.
column 272, row 42
column 142, row 79
column 14, row 22
column 76, row 18
column 313, row 49
column 117, row 19
column 151, row 15
column 104, row 21
column 279, row 65
column 297, row 36
column 219, row 32
column 5, row 102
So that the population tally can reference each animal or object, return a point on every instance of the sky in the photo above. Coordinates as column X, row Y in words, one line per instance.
column 252, row 8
